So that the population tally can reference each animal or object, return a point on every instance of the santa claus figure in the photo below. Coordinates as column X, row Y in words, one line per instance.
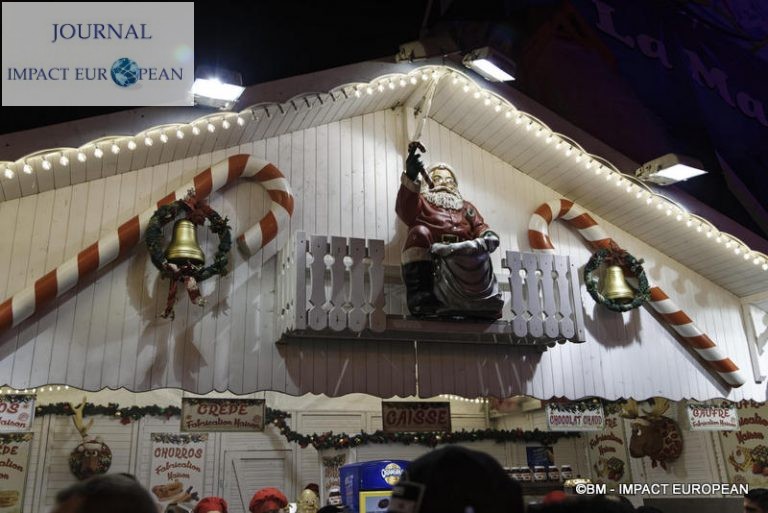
column 446, row 257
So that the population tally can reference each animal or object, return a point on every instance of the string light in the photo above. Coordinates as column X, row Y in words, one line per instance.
column 568, row 151
column 163, row 138
column 196, row 130
column 64, row 161
column 46, row 164
column 240, row 121
column 380, row 87
column 391, row 85
column 148, row 141
column 476, row 95
column 497, row 108
column 549, row 138
column 8, row 173
column 98, row 153
column 131, row 145
column 413, row 80
column 369, row 90
column 487, row 101
column 465, row 88
column 424, row 77
column 226, row 124
column 81, row 156
column 115, row 148
column 27, row 169
column 211, row 127
column 599, row 171
column 179, row 134
column 402, row 82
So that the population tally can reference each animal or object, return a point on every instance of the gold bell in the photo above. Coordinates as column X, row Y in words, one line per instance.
column 184, row 247
column 615, row 286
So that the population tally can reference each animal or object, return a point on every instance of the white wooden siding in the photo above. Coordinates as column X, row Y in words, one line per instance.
column 345, row 175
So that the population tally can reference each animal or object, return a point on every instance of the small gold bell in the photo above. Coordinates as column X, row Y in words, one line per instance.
column 615, row 286
column 183, row 247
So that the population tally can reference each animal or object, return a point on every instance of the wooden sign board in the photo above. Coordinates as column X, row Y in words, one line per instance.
column 415, row 417
column 707, row 417
column 198, row 414
column 575, row 417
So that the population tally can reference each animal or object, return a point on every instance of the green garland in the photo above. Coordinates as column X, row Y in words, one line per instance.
column 15, row 438
column 626, row 261
column 197, row 213
column 576, row 406
column 176, row 439
column 328, row 440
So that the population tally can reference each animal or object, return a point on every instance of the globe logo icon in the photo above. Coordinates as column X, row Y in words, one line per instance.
column 125, row 72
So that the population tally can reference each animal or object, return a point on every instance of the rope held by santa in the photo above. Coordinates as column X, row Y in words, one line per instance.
column 117, row 243
column 538, row 238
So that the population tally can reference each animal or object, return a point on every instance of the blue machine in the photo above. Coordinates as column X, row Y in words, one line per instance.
column 367, row 486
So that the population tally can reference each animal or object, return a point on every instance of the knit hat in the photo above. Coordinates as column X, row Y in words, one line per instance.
column 267, row 499
column 208, row 504
column 456, row 480
column 314, row 487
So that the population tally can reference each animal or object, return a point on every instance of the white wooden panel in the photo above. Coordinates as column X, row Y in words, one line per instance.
column 345, row 177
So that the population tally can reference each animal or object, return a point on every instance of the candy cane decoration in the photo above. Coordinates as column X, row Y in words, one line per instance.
column 574, row 215
column 116, row 244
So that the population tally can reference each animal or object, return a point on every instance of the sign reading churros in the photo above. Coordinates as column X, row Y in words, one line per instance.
column 178, row 462
column 14, row 460
column 17, row 411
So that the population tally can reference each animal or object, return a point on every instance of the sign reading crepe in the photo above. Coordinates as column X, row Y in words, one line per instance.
column 415, row 416
column 176, row 472
column 578, row 416
column 707, row 417
column 14, row 460
column 222, row 414
column 16, row 412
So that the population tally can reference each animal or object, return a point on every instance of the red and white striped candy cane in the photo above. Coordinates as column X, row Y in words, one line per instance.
column 574, row 215
column 116, row 244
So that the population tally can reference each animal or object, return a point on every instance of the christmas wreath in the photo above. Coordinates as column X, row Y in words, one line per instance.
column 617, row 256
column 198, row 212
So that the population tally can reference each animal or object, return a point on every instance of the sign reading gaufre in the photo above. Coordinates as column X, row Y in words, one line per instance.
column 222, row 414
column 415, row 416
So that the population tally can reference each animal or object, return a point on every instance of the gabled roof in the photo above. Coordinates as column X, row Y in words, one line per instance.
column 472, row 109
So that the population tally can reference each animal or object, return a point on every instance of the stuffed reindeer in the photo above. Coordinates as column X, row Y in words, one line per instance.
column 653, row 435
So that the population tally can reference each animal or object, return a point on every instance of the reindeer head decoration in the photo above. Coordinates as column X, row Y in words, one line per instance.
column 653, row 435
column 92, row 456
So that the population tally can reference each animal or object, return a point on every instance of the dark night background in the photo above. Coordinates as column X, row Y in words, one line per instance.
column 640, row 104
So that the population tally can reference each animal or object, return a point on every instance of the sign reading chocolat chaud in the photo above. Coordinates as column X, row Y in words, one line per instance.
column 415, row 416
column 222, row 414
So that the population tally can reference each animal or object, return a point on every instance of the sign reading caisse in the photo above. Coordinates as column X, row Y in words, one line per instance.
column 222, row 414
column 16, row 412
column 400, row 417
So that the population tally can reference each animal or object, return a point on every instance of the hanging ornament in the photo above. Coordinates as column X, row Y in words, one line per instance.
column 615, row 293
column 183, row 260
column 92, row 456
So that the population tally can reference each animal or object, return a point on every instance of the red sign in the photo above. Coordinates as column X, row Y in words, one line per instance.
column 400, row 417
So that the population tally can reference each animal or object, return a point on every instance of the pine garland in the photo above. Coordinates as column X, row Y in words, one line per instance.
column 328, row 440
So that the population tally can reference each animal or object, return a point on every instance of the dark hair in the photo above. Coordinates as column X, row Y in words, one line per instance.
column 759, row 496
column 597, row 504
column 648, row 509
column 115, row 493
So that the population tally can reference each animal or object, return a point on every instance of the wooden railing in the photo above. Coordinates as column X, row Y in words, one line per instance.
column 334, row 286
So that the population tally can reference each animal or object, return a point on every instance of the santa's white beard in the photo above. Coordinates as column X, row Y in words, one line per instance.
column 444, row 199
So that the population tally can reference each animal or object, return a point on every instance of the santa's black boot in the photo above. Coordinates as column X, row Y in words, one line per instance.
column 419, row 287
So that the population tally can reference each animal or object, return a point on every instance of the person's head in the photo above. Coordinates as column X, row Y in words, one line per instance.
column 756, row 501
column 456, row 480
column 211, row 505
column 115, row 493
column 268, row 500
column 308, row 502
